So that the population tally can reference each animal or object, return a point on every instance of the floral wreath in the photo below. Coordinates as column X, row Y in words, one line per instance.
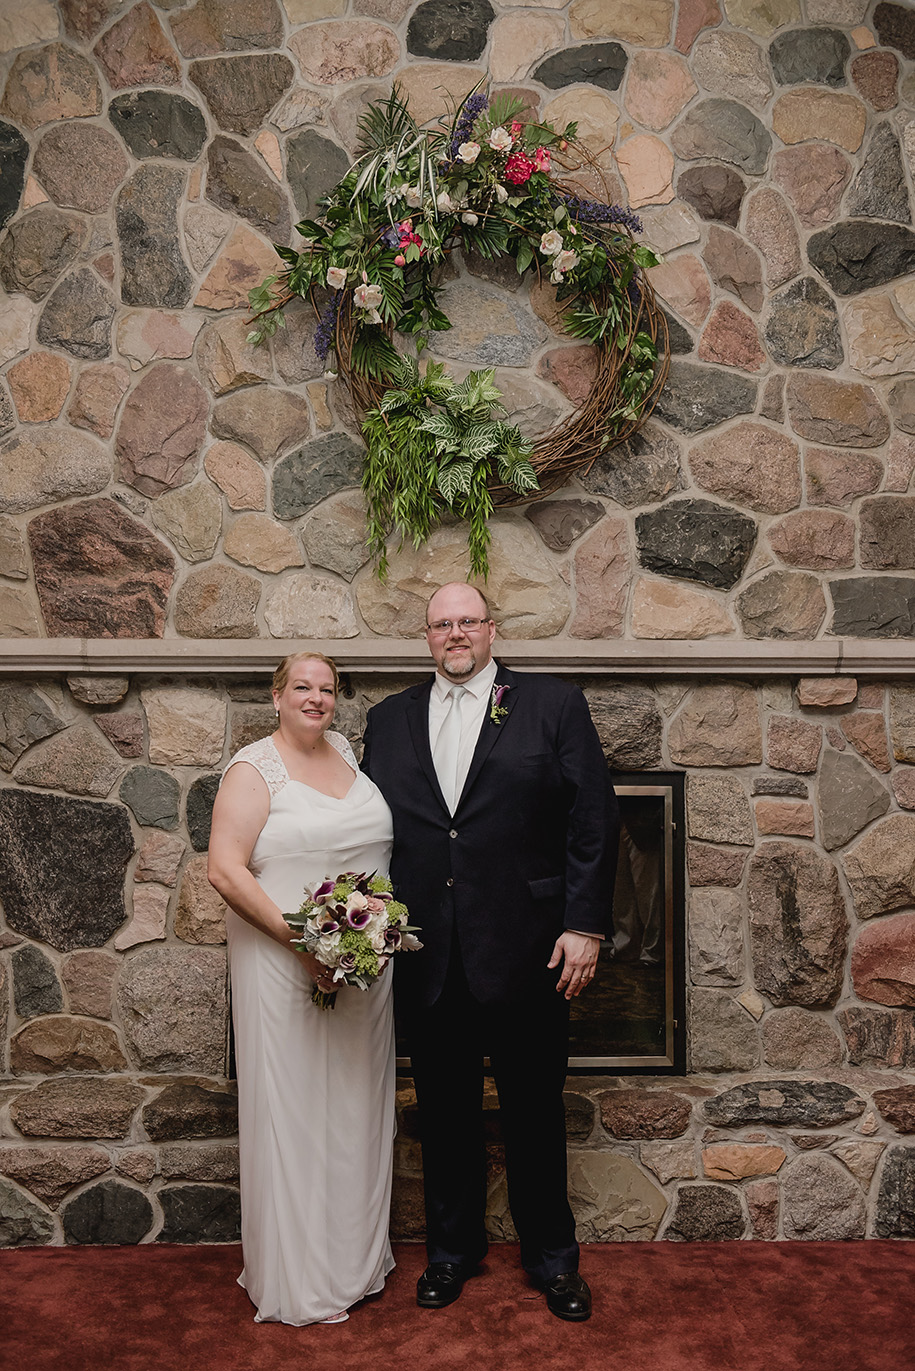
column 493, row 183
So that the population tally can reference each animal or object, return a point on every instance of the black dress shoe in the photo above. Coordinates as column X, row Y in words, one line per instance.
column 441, row 1283
column 568, row 1297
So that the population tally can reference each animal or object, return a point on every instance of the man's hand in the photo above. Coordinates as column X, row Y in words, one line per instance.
column 578, row 953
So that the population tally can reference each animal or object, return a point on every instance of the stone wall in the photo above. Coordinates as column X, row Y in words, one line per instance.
column 162, row 480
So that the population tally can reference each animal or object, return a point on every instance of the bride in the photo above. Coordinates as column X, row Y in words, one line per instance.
column 315, row 1087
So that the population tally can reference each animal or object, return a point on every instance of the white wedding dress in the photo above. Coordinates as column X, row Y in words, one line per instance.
column 315, row 1087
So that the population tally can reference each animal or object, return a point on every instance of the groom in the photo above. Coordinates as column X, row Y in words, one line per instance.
column 505, row 837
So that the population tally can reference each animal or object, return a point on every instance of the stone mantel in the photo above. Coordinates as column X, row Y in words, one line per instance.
column 618, row 657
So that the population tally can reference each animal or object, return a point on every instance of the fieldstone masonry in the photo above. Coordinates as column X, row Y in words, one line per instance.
column 160, row 478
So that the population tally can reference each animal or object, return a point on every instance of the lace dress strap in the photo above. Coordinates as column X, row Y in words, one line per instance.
column 342, row 746
column 266, row 761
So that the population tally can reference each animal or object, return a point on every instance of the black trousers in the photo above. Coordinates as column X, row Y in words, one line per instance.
column 527, row 1044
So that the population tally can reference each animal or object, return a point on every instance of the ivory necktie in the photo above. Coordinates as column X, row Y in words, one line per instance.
column 448, row 747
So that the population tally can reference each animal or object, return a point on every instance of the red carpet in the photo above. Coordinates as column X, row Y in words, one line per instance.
column 657, row 1307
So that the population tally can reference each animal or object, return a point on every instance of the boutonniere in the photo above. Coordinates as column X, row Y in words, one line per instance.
column 497, row 710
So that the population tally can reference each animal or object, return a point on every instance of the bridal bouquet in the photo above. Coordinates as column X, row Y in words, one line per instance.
column 354, row 926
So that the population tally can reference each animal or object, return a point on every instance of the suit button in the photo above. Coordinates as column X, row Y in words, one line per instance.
column 453, row 833
column 450, row 881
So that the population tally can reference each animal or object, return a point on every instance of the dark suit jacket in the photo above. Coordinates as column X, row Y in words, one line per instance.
column 530, row 850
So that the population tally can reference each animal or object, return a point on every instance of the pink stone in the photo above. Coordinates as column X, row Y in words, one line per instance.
column 836, row 739
column 730, row 338
column 238, row 475
column 99, row 391
column 904, row 786
column 50, row 83
column 867, row 734
column 692, row 17
column 162, row 429
column 658, row 85
column 751, row 464
column 682, row 283
column 39, row 385
column 647, row 167
column 124, row 731
column 148, row 335
column 215, row 26
column 793, row 818
column 870, row 696
column 734, row 265
column 708, row 865
column 900, row 463
column 814, row 176
column 883, row 961
column 837, row 478
column 814, row 538
column 666, row 609
column 241, row 265
column 136, row 52
column 737, row 1161
column 762, row 1202
column 840, row 413
column 875, row 75
column 811, row 112
column 826, row 692
column 770, row 227
column 572, row 369
column 88, row 979
column 160, row 858
column 347, row 50
column 150, row 909
column 602, row 574
column 793, row 744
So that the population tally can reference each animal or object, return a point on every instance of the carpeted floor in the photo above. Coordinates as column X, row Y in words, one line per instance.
column 657, row 1307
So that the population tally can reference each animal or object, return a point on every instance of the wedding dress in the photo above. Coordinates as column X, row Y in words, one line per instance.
column 315, row 1087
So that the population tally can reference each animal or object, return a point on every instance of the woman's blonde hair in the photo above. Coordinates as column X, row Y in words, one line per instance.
column 281, row 675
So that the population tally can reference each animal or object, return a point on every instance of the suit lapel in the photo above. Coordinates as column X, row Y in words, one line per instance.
column 418, row 721
column 490, row 730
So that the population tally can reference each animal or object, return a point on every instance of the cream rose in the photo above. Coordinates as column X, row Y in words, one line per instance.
column 336, row 277
column 500, row 140
column 551, row 243
column 367, row 297
column 469, row 152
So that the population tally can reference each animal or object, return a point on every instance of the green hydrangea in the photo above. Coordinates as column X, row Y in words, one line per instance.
column 351, row 940
column 343, row 889
column 397, row 911
column 380, row 885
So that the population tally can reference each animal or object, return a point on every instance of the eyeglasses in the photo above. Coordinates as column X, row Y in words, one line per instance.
column 465, row 625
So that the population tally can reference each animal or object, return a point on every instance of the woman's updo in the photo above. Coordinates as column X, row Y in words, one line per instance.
column 281, row 675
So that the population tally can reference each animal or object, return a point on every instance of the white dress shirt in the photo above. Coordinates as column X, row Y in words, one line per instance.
column 474, row 705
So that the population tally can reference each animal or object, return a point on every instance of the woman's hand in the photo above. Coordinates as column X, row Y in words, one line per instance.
column 322, row 975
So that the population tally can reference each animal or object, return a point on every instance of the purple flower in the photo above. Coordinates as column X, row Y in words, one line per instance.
column 347, row 962
column 329, row 925
column 472, row 107
column 358, row 918
column 392, row 938
column 327, row 327
column 499, row 692
column 324, row 890
column 593, row 212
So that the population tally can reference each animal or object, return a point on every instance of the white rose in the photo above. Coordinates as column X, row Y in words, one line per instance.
column 444, row 202
column 566, row 260
column 551, row 243
column 469, row 152
column 412, row 196
column 500, row 140
column 501, row 194
column 469, row 218
column 336, row 277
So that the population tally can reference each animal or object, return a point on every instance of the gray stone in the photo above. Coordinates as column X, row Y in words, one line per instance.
column 679, row 340
column 152, row 795
column 858, row 254
column 217, row 602
column 80, row 166
column 110, row 1212
column 873, row 607
column 887, row 532
column 902, row 405
column 725, row 130
column 879, row 190
column 51, row 1171
column 796, row 1040
column 837, row 413
column 200, row 800
column 98, row 690
column 643, row 470
column 628, row 723
column 707, row 1213
column 23, row 1221
column 779, row 785
column 60, row 1042
column 803, row 327
column 14, row 153
column 41, row 466
column 715, row 937
column 153, row 269
column 895, row 26
column 698, row 397
column 26, row 716
column 212, row 26
column 317, row 470
column 99, row 573
column 62, row 865
column 896, row 1198
column 879, row 1037
column 77, row 761
column 156, row 123
column 450, row 30
column 241, row 91
column 186, row 1110
column 850, row 797
column 561, row 522
column 266, row 419
column 314, row 165
column 37, row 249
column 722, row 1036
column 36, row 989
column 785, row 1104
column 199, row 1161
column 718, row 810
column 593, row 64
column 192, row 519
column 735, row 266
column 334, row 534
column 880, row 867
column 714, row 191
column 798, row 925
column 612, row 1199
column 487, row 329
column 77, row 316
column 173, row 1009
column 697, row 540
column 902, row 726
column 817, row 56
column 200, row 1213
column 238, row 182
column 821, row 1201
column 77, row 1107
